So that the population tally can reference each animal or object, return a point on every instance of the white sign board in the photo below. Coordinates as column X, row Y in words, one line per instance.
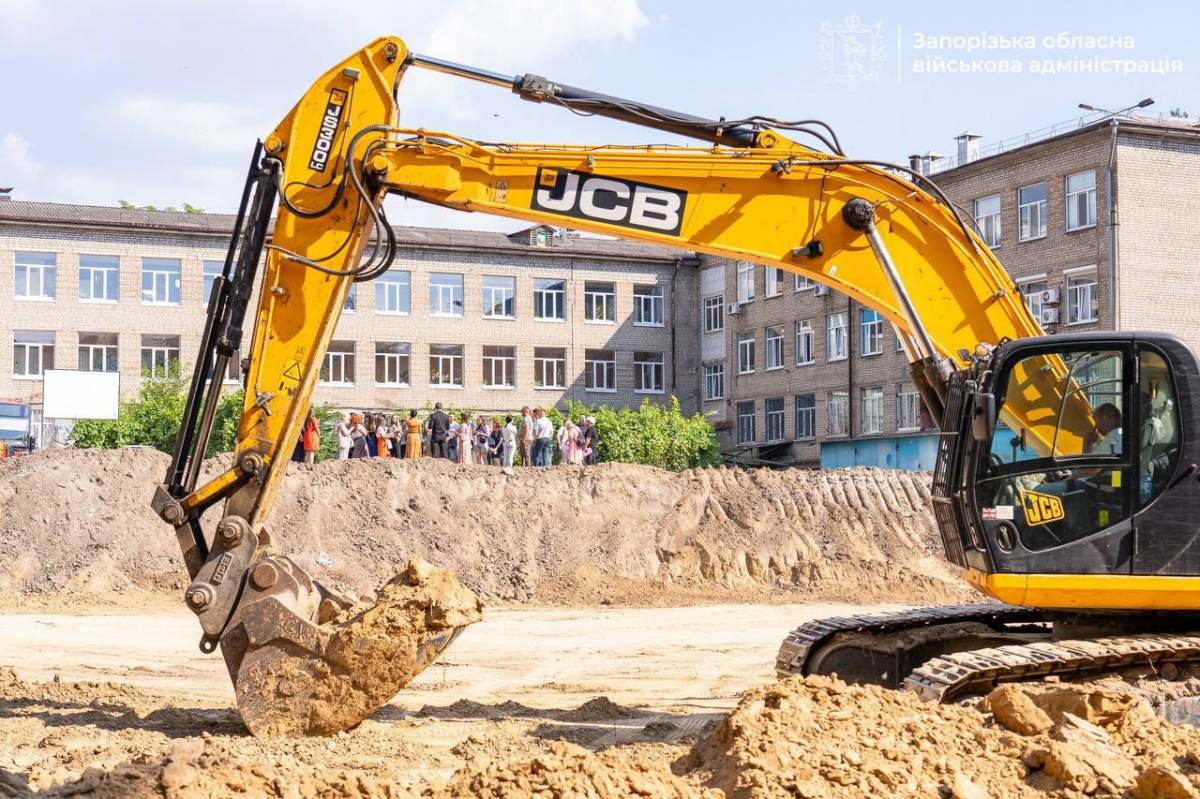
column 68, row 394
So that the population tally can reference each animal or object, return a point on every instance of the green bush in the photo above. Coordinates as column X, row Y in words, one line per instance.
column 152, row 420
column 656, row 435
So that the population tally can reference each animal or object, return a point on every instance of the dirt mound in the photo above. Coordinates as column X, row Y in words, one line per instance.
column 80, row 522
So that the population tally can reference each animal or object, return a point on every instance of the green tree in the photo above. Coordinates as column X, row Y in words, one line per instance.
column 151, row 420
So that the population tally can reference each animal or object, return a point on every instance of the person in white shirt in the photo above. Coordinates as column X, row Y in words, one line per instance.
column 509, row 437
column 543, row 435
column 344, row 441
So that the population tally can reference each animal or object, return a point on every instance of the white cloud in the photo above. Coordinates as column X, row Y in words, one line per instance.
column 16, row 161
column 189, row 126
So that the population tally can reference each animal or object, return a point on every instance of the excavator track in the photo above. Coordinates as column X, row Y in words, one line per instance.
column 945, row 678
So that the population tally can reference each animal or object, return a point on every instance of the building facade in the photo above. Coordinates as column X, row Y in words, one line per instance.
column 1099, row 227
column 468, row 318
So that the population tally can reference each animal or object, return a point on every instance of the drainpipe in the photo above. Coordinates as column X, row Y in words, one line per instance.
column 1110, row 181
column 850, row 370
column 674, row 321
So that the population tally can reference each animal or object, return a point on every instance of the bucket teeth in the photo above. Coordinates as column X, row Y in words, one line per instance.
column 329, row 667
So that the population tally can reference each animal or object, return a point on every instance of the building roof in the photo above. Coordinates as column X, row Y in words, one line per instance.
column 64, row 214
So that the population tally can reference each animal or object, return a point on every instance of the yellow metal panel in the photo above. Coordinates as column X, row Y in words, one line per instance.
column 1090, row 591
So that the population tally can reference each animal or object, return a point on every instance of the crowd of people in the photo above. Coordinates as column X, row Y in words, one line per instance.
column 496, row 441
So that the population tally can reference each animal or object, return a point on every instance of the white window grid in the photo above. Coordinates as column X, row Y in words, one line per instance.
column 1081, row 200
column 773, row 346
column 908, row 408
column 872, row 332
column 393, row 293
column 835, row 343
column 549, row 368
column 98, row 358
column 775, row 417
column 805, row 352
column 774, row 281
column 806, row 417
column 1082, row 298
column 872, row 410
column 499, row 367
column 714, row 314
column 745, row 422
column 1032, row 292
column 157, row 360
column 714, row 381
column 745, row 282
column 33, row 354
column 600, row 303
column 550, row 299
column 648, row 305
column 351, row 303
column 338, row 369
column 34, row 276
column 499, row 297
column 392, row 364
column 745, row 353
column 160, row 282
column 445, row 294
column 99, row 279
column 648, row 372
column 804, row 283
column 837, row 413
column 210, row 271
column 600, row 371
column 1031, row 212
column 446, row 365
column 987, row 218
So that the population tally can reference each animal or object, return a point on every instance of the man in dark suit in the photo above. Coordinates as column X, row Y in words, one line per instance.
column 439, row 431
column 591, row 440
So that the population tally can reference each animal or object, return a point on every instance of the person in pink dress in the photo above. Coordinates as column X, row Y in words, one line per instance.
column 465, row 431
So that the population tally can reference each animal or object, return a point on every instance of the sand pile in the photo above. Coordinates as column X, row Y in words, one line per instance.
column 79, row 521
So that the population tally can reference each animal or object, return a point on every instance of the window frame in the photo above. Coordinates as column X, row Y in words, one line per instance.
column 643, row 302
column 346, row 361
column 837, row 337
column 439, row 290
column 507, row 364
column 803, row 329
column 27, row 347
column 102, row 349
column 393, row 361
column 448, row 357
column 990, row 226
column 166, row 274
column 743, row 415
column 842, row 415
column 773, row 348
column 643, row 365
column 507, row 294
column 394, row 284
column 1089, row 193
column 774, row 417
column 208, row 279
column 44, row 279
column 871, row 332
column 708, row 306
column 155, row 350
column 1042, row 213
column 605, row 299
column 1070, row 275
column 714, row 373
column 609, row 371
column 907, row 397
column 558, row 298
column 745, row 280
column 809, row 412
column 770, row 272
column 113, row 272
column 746, row 337
column 1035, row 308
column 539, row 368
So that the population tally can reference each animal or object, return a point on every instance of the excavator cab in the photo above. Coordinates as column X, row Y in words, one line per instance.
column 1053, row 507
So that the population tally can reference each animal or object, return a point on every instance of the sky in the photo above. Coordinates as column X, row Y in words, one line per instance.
column 161, row 102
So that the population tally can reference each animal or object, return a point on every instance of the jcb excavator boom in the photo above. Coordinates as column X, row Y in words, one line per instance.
column 880, row 234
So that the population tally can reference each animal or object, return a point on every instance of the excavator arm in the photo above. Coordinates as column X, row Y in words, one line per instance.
column 304, row 660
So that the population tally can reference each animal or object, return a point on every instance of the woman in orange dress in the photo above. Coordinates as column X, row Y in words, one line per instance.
column 412, row 444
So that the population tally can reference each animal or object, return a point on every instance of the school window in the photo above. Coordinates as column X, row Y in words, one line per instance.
column 804, row 343
column 499, row 297
column 210, row 271
column 1032, row 292
column 835, row 340
column 1031, row 212
column 908, row 407
column 745, row 282
column 446, row 365
column 549, row 298
column 499, row 367
column 1082, row 299
column 549, row 367
column 351, row 303
column 33, row 353
column 233, row 369
column 803, row 283
column 714, row 381
column 392, row 361
column 160, row 281
column 160, row 354
column 99, row 279
column 806, row 417
column 774, row 281
column 987, row 219
column 599, row 302
column 774, row 347
column 338, row 367
column 745, row 422
column 647, row 305
column 837, row 413
column 872, row 332
column 872, row 410
column 445, row 294
column 34, row 276
column 98, row 352
column 393, row 292
column 648, row 372
column 775, row 419
column 600, row 370
column 745, row 353
column 1081, row 200
column 714, row 314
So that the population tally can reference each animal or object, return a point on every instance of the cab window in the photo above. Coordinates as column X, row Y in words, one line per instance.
column 1158, row 427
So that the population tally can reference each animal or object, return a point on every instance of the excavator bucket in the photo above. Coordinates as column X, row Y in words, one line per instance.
column 306, row 661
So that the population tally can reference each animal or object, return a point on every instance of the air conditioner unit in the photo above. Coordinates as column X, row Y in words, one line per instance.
column 1050, row 297
column 1050, row 316
column 734, row 308
column 821, row 290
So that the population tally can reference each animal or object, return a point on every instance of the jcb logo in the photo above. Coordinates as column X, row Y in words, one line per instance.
column 1041, row 508
column 602, row 199
column 324, row 144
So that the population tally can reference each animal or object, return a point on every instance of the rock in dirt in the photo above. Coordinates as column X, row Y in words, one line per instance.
column 1164, row 782
column 1013, row 708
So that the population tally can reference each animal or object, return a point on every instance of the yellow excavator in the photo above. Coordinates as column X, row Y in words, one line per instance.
column 1064, row 479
